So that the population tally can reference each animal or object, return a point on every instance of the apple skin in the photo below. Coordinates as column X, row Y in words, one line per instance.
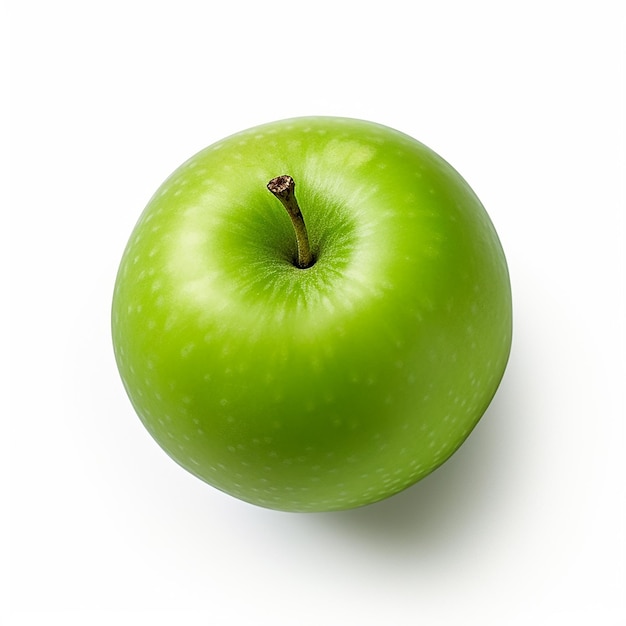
column 323, row 388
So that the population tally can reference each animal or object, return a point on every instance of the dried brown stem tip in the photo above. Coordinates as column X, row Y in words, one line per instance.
column 283, row 187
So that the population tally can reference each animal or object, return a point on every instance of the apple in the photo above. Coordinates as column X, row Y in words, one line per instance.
column 319, row 382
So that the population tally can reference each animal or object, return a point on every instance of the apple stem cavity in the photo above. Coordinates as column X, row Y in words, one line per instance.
column 283, row 187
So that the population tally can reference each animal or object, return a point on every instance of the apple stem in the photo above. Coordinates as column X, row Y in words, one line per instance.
column 283, row 187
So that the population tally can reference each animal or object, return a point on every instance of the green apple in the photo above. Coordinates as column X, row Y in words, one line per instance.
column 325, row 383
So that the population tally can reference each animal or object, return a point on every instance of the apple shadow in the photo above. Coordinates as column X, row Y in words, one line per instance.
column 457, row 500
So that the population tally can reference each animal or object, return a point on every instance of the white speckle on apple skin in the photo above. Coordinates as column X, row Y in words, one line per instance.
column 187, row 350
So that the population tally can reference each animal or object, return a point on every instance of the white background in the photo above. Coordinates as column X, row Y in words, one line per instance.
column 525, row 524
